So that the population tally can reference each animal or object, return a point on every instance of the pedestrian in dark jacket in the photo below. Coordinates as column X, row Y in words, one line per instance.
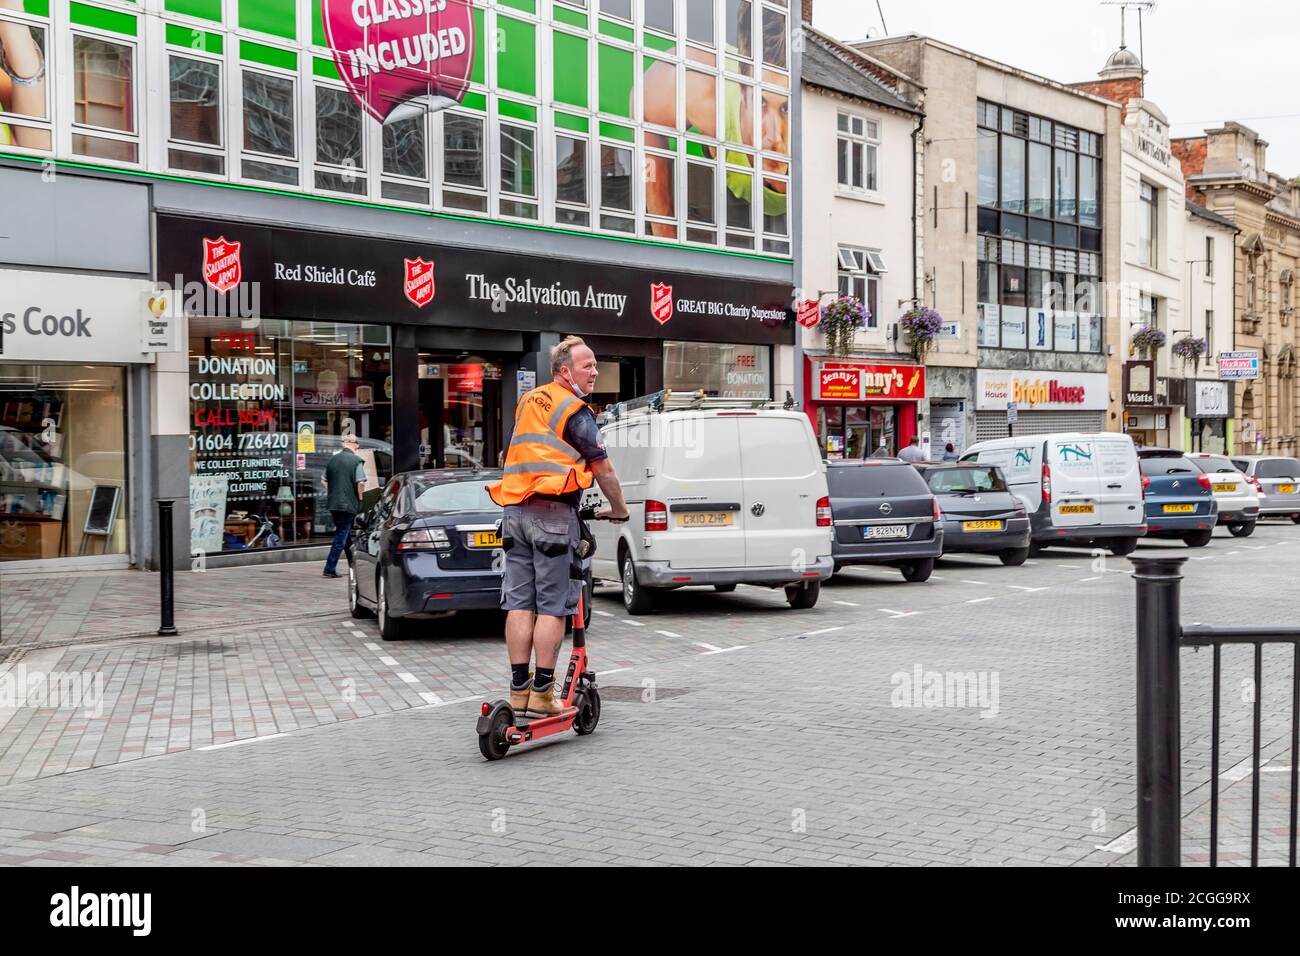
column 345, row 480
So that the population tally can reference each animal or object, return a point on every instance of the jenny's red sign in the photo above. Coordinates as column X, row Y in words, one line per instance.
column 858, row 381
column 392, row 52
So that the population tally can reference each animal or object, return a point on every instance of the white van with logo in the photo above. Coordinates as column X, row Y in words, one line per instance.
column 721, row 492
column 1080, row 489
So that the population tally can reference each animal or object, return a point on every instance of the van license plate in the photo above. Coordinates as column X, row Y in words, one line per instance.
column 1225, row 486
column 981, row 526
column 1286, row 489
column 483, row 539
column 705, row 519
column 1077, row 509
column 877, row 531
column 1179, row 509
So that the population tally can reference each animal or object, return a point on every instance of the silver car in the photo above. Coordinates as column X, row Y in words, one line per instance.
column 1236, row 494
column 1277, row 479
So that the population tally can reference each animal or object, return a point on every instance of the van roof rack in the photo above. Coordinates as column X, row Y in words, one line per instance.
column 669, row 400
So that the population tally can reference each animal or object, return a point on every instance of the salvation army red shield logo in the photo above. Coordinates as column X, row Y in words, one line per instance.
column 661, row 302
column 808, row 313
column 395, row 52
column 419, row 285
column 221, row 267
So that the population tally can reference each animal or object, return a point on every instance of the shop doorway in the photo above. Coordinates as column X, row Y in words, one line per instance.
column 460, row 411
column 858, row 431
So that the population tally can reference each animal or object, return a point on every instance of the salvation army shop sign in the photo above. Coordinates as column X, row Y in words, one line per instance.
column 392, row 53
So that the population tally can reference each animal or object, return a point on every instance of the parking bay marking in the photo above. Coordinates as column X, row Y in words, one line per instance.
column 668, row 633
column 824, row 630
column 980, row 583
column 896, row 614
column 848, row 603
column 1021, row 587
column 978, row 600
column 1097, row 578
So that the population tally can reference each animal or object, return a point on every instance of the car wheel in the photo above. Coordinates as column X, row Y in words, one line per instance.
column 1241, row 529
column 724, row 588
column 917, row 571
column 1122, row 546
column 637, row 599
column 803, row 596
column 390, row 628
column 1198, row 539
column 355, row 606
column 838, row 567
column 1014, row 557
column 1295, row 519
column 1035, row 550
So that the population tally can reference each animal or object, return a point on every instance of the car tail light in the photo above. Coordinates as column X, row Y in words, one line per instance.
column 1047, row 483
column 1204, row 482
column 823, row 512
column 1258, row 486
column 937, row 513
column 424, row 539
column 656, row 516
column 1146, row 483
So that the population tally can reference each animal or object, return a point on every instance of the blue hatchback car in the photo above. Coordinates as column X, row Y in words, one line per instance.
column 1179, row 497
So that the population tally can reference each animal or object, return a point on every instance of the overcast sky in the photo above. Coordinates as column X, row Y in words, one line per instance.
column 1208, row 61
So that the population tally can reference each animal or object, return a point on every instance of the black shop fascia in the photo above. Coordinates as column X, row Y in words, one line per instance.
column 443, row 303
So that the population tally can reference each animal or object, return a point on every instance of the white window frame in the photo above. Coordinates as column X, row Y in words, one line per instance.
column 862, row 135
column 50, row 60
column 187, row 146
column 301, row 149
column 499, row 193
column 856, row 270
column 139, row 79
column 439, row 137
column 359, row 172
column 557, row 203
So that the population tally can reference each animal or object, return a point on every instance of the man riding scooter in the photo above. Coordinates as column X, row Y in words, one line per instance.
column 555, row 454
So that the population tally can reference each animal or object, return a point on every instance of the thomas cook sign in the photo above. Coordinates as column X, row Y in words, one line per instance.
column 401, row 53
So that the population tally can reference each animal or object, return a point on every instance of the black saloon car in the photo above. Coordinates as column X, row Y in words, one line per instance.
column 426, row 547
column 980, row 513
column 883, row 513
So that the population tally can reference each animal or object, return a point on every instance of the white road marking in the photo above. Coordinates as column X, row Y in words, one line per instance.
column 1124, row 843
column 885, row 610
column 385, row 659
column 1241, row 770
column 824, row 630
column 601, row 613
column 937, row 577
column 408, row 678
column 631, row 623
column 1254, row 547
column 723, row 650
column 847, row 603
column 1274, row 769
column 1072, row 567
column 1097, row 578
column 707, row 647
column 437, row 702
column 615, row 670
column 668, row 633
column 429, row 696
column 246, row 740
column 358, row 634
column 980, row 583
column 1231, row 553
column 1201, row 557
column 978, row 600
column 372, row 647
column 1022, row 587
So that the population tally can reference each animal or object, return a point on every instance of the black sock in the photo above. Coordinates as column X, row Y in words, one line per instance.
column 542, row 679
column 518, row 675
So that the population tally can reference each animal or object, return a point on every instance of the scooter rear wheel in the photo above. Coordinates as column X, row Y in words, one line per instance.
column 493, row 744
column 588, row 714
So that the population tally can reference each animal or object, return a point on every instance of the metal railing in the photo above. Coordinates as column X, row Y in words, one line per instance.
column 1160, row 638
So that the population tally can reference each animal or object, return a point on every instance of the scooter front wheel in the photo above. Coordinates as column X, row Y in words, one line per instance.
column 588, row 713
column 493, row 744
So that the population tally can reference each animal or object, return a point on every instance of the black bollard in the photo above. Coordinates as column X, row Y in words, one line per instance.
column 166, row 569
column 1159, row 739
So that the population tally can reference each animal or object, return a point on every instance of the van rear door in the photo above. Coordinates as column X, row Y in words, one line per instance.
column 701, row 485
column 1119, row 491
column 783, row 478
column 1076, row 499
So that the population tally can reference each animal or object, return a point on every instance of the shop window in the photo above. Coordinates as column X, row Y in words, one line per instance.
column 269, row 127
column 63, row 453
column 462, row 162
column 268, row 409
column 723, row 371
column 406, row 160
column 571, row 192
column 195, row 134
column 339, row 142
column 104, row 111
column 25, row 96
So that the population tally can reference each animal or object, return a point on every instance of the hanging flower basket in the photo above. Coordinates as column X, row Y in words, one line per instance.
column 1190, row 349
column 1148, row 341
column 921, row 326
column 840, row 322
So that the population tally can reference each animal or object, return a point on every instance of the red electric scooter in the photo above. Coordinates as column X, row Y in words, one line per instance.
column 499, row 728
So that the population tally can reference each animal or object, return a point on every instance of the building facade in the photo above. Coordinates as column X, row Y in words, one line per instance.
column 1019, row 227
column 1209, row 243
column 860, row 176
column 1226, row 172
column 621, row 170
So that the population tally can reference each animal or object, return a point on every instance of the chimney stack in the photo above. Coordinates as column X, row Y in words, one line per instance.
column 807, row 12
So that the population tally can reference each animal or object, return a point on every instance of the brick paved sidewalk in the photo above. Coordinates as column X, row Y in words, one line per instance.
column 59, row 607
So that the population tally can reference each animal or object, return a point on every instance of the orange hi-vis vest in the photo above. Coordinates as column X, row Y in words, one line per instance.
column 540, row 461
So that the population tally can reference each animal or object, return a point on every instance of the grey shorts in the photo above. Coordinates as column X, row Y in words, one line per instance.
column 542, row 561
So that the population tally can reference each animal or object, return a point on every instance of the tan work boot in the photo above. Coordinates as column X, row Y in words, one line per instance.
column 519, row 696
column 545, row 702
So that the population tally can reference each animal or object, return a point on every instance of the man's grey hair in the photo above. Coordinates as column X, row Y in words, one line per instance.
column 562, row 354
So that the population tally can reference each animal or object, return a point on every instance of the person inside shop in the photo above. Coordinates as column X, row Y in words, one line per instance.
column 949, row 452
column 913, row 451
column 554, row 455
column 883, row 451
column 345, row 481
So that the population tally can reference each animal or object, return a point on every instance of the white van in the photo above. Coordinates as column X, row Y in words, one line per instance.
column 1080, row 489
column 721, row 492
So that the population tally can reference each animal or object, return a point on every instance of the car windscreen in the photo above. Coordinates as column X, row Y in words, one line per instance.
column 1277, row 468
column 1168, row 465
column 962, row 481
column 433, row 496
column 1214, row 465
column 872, row 481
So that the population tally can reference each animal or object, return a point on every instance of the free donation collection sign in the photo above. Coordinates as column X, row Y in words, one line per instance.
column 1040, row 391
column 395, row 53
column 858, row 381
